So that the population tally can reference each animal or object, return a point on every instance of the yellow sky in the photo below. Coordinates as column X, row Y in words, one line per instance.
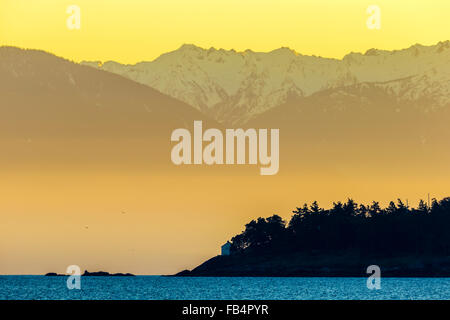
column 136, row 30
column 165, row 229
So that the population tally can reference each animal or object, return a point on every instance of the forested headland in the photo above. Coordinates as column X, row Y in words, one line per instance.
column 341, row 241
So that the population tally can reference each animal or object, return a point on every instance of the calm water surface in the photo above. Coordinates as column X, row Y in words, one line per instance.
column 160, row 288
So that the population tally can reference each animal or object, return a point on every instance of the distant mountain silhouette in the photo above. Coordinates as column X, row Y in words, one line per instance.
column 373, row 125
column 234, row 87
column 74, row 113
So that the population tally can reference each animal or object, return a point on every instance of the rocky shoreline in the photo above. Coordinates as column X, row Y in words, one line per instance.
column 304, row 265
column 93, row 274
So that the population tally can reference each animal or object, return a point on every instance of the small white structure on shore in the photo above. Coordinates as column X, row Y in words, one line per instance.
column 226, row 249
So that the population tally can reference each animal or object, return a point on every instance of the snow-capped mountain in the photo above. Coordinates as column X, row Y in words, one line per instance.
column 233, row 87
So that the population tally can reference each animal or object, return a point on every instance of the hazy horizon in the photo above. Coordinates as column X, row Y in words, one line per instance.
column 86, row 174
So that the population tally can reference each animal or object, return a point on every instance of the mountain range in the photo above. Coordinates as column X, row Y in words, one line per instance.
column 57, row 111
column 235, row 87
column 380, row 109
column 80, row 144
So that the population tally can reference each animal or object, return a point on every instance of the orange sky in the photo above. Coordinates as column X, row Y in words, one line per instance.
column 173, row 222
column 148, row 223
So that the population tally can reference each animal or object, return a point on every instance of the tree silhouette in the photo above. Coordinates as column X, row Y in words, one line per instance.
column 367, row 229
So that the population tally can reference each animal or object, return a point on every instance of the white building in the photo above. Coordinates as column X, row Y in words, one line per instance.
column 226, row 249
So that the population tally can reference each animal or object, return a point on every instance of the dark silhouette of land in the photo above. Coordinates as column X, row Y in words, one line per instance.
column 94, row 274
column 341, row 241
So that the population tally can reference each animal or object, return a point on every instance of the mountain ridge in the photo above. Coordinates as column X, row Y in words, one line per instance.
column 233, row 87
column 61, row 111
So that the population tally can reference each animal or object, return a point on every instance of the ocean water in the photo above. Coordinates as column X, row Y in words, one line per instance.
column 179, row 288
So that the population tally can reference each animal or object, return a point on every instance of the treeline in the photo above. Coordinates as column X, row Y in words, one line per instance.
column 368, row 230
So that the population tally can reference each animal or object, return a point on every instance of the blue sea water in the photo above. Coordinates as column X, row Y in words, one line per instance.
column 179, row 288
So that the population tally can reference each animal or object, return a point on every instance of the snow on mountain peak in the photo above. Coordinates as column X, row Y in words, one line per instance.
column 235, row 86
